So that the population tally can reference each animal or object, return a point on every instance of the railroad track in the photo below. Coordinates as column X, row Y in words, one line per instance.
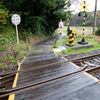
column 7, row 77
column 5, row 93
column 76, row 61
column 84, row 58
column 20, row 88
column 90, row 61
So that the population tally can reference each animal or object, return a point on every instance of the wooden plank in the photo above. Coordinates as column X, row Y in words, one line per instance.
column 46, row 73
column 51, row 90
column 38, row 53
column 39, row 56
column 41, row 62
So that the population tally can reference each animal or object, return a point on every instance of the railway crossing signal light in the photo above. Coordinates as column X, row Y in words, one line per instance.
column 84, row 7
column 79, row 14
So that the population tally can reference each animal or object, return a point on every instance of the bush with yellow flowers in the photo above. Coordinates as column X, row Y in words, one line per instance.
column 3, row 15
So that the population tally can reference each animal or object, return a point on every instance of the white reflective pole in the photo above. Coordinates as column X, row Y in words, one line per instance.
column 17, row 34
column 60, row 39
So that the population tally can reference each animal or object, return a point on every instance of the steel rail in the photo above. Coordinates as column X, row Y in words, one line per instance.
column 38, row 67
column 35, row 68
column 29, row 85
column 93, row 69
column 20, row 88
column 7, row 79
column 82, row 58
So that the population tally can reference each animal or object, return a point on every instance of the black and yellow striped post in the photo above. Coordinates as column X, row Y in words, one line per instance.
column 67, row 17
column 71, row 38
column 84, row 13
column 74, row 31
column 83, row 40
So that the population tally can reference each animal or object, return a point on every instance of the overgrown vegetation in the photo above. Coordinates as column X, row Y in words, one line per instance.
column 3, row 16
column 38, row 18
column 41, row 17
column 98, row 31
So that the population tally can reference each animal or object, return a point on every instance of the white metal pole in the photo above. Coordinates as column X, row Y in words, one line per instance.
column 17, row 34
column 60, row 39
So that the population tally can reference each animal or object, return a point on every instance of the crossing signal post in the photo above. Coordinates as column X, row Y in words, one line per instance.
column 67, row 17
column 84, row 7
column 61, row 24
column 69, row 32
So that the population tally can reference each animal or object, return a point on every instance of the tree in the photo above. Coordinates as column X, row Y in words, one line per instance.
column 38, row 16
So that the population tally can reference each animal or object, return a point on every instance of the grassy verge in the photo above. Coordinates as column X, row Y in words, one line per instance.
column 95, row 40
column 10, row 51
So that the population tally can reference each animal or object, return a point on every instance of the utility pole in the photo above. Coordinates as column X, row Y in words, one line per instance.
column 95, row 17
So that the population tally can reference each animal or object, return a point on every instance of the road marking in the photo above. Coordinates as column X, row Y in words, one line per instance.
column 55, row 53
column 71, row 63
column 12, row 96
column 85, row 72
column 91, row 76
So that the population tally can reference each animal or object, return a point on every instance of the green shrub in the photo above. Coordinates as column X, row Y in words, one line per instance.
column 98, row 31
column 12, row 59
column 3, row 16
column 22, row 53
column 39, row 17
column 1, row 65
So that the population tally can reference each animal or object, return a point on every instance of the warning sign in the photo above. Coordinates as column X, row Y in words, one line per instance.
column 61, row 30
column 61, row 24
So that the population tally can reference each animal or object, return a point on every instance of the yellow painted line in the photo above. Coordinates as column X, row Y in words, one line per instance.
column 55, row 53
column 99, row 82
column 91, row 76
column 84, row 72
column 65, row 58
column 12, row 96
column 75, row 65
column 71, row 63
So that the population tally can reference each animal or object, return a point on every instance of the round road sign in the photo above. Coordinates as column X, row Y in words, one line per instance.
column 16, row 19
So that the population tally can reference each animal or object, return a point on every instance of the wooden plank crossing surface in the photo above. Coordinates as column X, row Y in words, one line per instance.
column 54, row 89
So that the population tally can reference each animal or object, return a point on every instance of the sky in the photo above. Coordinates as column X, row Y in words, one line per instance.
column 91, row 7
